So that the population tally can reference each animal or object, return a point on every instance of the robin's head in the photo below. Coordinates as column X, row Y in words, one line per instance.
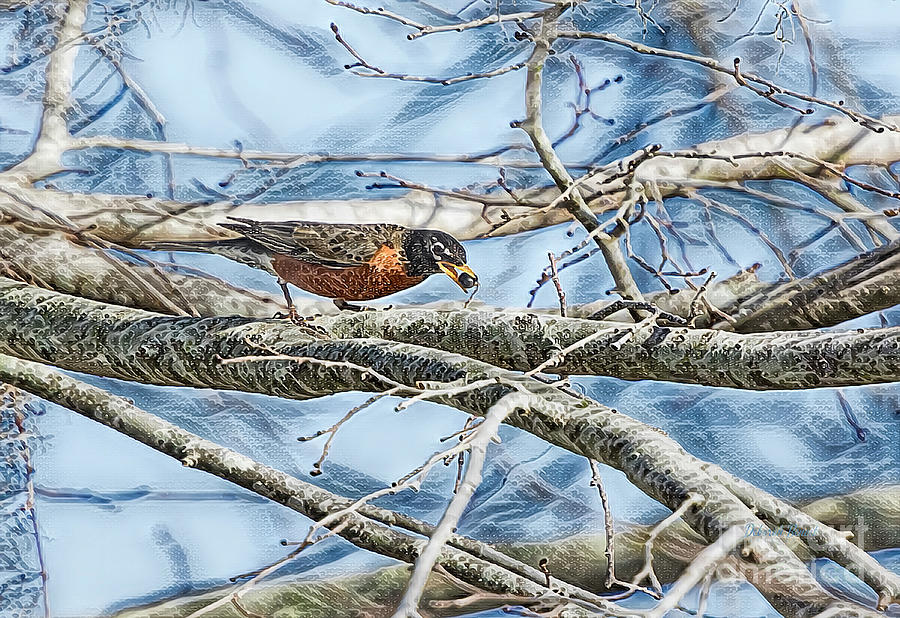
column 433, row 251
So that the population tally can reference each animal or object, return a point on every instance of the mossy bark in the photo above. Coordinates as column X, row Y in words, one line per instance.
column 763, row 361
column 82, row 335
column 368, row 527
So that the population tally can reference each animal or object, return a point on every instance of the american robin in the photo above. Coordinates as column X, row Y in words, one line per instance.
column 344, row 262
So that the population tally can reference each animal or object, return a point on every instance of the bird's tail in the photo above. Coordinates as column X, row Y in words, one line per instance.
column 196, row 246
column 242, row 226
column 242, row 250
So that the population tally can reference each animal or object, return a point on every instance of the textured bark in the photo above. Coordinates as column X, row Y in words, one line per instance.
column 867, row 283
column 82, row 335
column 512, row 340
column 57, row 262
column 521, row 342
column 195, row 452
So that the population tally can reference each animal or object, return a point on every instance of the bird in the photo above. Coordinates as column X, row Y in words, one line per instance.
column 344, row 262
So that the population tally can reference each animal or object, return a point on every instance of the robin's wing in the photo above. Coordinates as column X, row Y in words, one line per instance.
column 327, row 244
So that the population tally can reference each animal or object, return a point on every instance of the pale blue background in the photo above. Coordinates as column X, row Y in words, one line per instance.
column 122, row 524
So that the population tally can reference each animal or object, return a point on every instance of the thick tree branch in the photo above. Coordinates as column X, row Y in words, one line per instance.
column 521, row 342
column 369, row 527
column 47, row 327
column 54, row 132
column 838, row 141
column 862, row 285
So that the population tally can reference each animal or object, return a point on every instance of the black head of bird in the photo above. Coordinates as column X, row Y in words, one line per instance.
column 433, row 251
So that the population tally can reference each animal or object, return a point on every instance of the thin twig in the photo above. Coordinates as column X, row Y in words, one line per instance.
column 554, row 275
column 332, row 431
column 769, row 89
column 445, row 81
column 609, row 550
column 534, row 128
column 647, row 570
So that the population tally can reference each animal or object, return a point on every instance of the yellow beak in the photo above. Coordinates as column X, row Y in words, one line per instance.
column 463, row 276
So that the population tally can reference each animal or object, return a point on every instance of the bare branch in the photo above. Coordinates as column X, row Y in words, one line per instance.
column 365, row 530
column 554, row 275
column 54, row 132
column 484, row 433
column 374, row 71
column 700, row 568
column 493, row 18
column 575, row 204
column 768, row 88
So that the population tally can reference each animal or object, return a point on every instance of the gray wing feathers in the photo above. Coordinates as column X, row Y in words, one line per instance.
column 328, row 244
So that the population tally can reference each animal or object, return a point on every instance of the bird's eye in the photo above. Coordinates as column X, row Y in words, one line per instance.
column 437, row 248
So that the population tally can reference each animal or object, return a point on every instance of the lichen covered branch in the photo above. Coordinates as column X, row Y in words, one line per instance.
column 47, row 327
column 521, row 341
column 373, row 532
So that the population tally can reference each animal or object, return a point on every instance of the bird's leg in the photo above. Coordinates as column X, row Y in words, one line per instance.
column 292, row 311
column 343, row 305
column 301, row 321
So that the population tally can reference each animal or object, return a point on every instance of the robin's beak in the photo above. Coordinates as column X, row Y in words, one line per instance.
column 461, row 275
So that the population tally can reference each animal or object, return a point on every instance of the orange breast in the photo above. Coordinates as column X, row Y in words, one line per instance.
column 382, row 275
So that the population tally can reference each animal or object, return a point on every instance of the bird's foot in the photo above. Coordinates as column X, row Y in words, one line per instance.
column 291, row 315
column 304, row 322
column 343, row 305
